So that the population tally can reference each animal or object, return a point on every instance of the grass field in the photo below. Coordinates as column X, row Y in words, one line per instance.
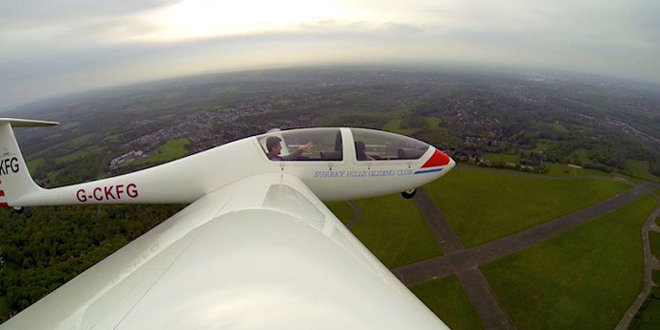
column 173, row 149
column 564, row 169
column 484, row 206
column 55, row 136
column 559, row 127
column 282, row 101
column 583, row 279
column 342, row 210
column 78, row 155
column 656, row 277
column 111, row 139
column 432, row 122
column 581, row 156
column 640, row 169
column 447, row 299
column 654, row 240
column 394, row 125
column 81, row 140
column 33, row 165
column 657, row 221
column 559, row 169
column 501, row 158
column 543, row 144
column 394, row 230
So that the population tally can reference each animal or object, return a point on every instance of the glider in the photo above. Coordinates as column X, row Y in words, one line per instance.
column 255, row 249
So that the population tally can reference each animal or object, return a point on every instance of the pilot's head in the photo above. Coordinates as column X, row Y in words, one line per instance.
column 273, row 145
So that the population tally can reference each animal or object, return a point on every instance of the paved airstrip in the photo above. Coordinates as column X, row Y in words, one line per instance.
column 464, row 263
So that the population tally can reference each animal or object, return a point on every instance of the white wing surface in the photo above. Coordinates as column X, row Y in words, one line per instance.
column 261, row 253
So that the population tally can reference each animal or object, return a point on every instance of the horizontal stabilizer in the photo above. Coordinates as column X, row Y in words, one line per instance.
column 27, row 122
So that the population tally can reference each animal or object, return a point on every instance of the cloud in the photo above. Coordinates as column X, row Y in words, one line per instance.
column 50, row 47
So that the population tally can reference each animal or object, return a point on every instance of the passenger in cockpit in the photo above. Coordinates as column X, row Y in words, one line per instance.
column 274, row 148
column 360, row 151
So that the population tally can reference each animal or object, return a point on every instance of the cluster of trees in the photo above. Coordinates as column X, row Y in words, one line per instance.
column 654, row 168
column 54, row 244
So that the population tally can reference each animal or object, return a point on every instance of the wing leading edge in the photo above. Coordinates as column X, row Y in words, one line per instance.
column 263, row 252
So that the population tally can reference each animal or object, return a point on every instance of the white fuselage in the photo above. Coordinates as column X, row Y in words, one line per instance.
column 188, row 179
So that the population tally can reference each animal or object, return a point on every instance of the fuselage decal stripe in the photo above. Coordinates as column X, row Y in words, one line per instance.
column 429, row 171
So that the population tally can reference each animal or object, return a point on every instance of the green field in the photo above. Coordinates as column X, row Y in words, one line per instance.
column 447, row 299
column 564, row 169
column 656, row 277
column 394, row 230
column 33, row 165
column 559, row 169
column 580, row 156
column 556, row 169
column 111, row 139
column 654, row 240
column 543, row 145
column 432, row 122
column 55, row 136
column 78, row 155
column 583, row 279
column 501, row 158
column 173, row 149
column 342, row 210
column 394, row 125
column 640, row 169
column 657, row 221
column 484, row 206
column 559, row 127
column 81, row 140
column 283, row 101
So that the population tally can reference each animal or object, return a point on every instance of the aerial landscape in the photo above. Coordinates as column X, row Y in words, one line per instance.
column 549, row 220
column 530, row 153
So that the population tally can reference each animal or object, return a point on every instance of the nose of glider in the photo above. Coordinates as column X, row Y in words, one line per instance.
column 438, row 164
column 451, row 164
column 439, row 159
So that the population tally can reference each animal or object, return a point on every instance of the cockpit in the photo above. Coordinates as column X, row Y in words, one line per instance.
column 309, row 144
column 378, row 146
column 327, row 144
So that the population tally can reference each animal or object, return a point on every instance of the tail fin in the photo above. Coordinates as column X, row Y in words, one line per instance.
column 15, row 180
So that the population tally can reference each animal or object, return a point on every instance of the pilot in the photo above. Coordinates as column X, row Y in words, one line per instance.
column 274, row 148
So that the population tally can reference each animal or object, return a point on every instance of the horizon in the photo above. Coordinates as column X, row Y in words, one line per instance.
column 58, row 48
column 436, row 68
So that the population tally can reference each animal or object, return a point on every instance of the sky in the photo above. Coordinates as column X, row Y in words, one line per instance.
column 50, row 47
